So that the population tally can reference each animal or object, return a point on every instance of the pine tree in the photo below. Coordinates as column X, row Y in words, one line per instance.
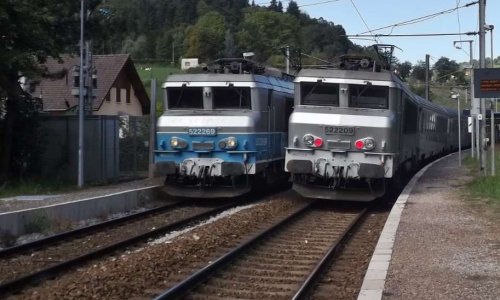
column 293, row 9
column 280, row 7
column 273, row 6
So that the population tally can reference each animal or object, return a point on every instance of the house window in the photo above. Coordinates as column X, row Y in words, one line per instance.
column 107, row 98
column 118, row 96
column 123, row 94
column 113, row 94
column 127, row 95
column 187, row 64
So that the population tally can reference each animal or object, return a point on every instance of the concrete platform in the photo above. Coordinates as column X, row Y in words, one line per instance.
column 15, row 223
column 434, row 245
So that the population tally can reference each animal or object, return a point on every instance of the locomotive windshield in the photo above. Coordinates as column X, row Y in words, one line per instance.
column 319, row 93
column 185, row 97
column 231, row 97
column 368, row 96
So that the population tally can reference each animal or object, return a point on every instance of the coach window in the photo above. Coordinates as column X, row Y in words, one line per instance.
column 410, row 116
column 231, row 97
column 185, row 97
column 368, row 96
column 319, row 93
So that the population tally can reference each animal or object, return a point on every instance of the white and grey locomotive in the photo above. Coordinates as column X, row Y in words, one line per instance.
column 357, row 128
column 223, row 130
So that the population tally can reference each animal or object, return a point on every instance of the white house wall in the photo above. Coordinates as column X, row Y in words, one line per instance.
column 113, row 108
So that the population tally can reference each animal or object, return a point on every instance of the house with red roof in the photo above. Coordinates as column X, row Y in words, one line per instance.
column 117, row 88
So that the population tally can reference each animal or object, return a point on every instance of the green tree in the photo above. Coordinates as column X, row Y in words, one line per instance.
column 323, row 36
column 418, row 71
column 404, row 69
column 30, row 31
column 273, row 6
column 164, row 45
column 445, row 68
column 274, row 31
column 205, row 39
column 293, row 9
column 229, row 45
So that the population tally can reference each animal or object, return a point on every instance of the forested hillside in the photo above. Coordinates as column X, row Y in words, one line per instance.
column 159, row 30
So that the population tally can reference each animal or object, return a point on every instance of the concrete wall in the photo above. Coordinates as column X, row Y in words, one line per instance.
column 15, row 223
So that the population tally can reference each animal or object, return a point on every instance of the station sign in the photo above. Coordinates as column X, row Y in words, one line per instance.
column 487, row 83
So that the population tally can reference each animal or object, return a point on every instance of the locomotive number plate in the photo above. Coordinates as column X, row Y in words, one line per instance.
column 339, row 130
column 202, row 131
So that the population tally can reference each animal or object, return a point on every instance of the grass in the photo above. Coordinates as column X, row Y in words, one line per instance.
column 486, row 188
column 33, row 187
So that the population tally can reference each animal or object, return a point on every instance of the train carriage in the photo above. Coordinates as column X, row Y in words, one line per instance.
column 224, row 131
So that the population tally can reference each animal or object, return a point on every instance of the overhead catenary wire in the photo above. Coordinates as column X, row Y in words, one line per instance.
column 421, row 19
column 410, row 35
column 362, row 19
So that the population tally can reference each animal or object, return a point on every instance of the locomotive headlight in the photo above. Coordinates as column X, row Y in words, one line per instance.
column 365, row 144
column 313, row 141
column 309, row 140
column 178, row 143
column 174, row 142
column 231, row 143
column 369, row 144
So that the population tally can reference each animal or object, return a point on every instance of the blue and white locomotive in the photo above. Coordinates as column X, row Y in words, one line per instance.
column 223, row 130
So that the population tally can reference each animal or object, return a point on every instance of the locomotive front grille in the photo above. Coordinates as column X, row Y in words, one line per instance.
column 201, row 146
column 341, row 145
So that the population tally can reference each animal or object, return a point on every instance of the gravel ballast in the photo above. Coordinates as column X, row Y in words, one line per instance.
column 145, row 272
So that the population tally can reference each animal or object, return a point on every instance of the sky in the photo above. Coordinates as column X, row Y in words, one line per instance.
column 380, row 13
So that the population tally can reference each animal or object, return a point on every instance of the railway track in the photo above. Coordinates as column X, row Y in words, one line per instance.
column 282, row 262
column 33, row 262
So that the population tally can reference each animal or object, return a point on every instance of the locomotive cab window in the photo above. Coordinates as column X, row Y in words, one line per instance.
column 231, row 97
column 185, row 97
column 368, row 96
column 320, row 94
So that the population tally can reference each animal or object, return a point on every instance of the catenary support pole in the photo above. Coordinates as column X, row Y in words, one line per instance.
column 492, row 116
column 459, row 133
column 152, row 128
column 81, row 104
column 482, row 52
column 427, row 84
column 492, row 129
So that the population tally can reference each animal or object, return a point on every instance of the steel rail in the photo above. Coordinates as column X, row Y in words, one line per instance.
column 84, row 230
column 203, row 273
column 334, row 248
column 54, row 270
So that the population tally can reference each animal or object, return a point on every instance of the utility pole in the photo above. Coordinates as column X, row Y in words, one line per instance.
column 288, row 59
column 173, row 52
column 81, row 102
column 482, row 53
column 427, row 84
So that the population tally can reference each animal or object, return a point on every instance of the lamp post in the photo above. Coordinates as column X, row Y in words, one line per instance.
column 474, row 104
column 490, row 28
column 456, row 96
